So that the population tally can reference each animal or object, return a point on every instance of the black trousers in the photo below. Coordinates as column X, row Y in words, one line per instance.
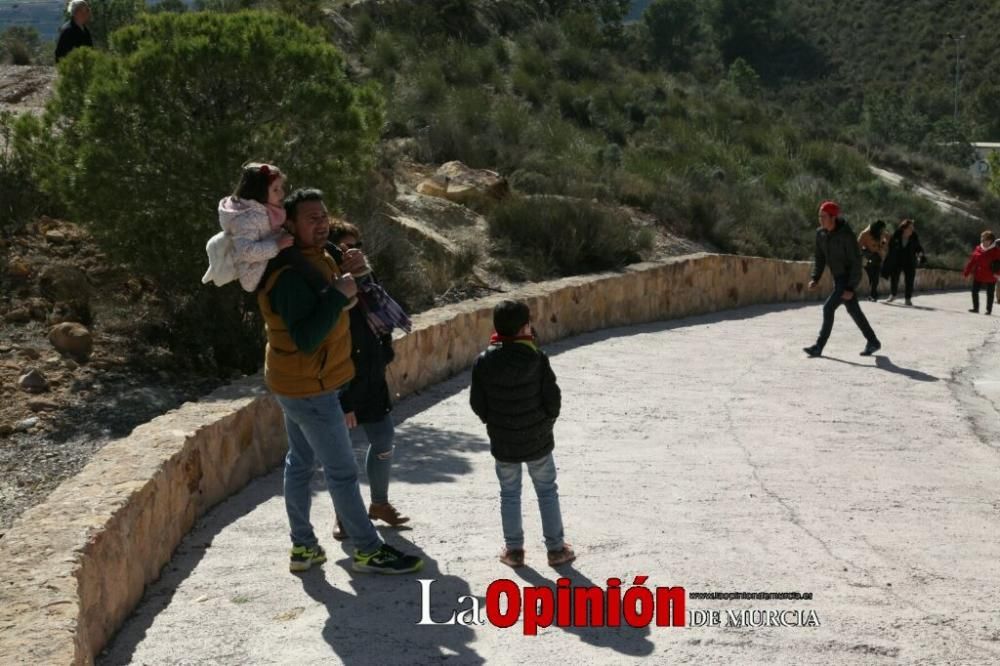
column 910, row 273
column 853, row 308
column 990, row 290
column 874, row 270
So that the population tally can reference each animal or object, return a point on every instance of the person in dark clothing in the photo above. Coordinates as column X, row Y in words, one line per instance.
column 74, row 32
column 307, row 366
column 366, row 401
column 837, row 248
column 905, row 254
column 514, row 392
column 874, row 243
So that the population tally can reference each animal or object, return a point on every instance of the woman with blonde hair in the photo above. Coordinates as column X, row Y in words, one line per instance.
column 874, row 244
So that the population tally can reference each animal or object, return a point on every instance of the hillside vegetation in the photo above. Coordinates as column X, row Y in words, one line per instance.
column 696, row 119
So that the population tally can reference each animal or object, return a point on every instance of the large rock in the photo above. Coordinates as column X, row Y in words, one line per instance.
column 78, row 313
column 33, row 381
column 18, row 316
column 65, row 283
column 42, row 405
column 476, row 188
column 73, row 340
column 19, row 269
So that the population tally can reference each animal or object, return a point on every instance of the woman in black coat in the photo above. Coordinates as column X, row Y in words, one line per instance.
column 905, row 254
column 366, row 402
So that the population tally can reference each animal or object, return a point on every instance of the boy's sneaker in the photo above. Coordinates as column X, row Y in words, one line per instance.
column 890, row 299
column 386, row 560
column 563, row 556
column 512, row 557
column 304, row 557
column 387, row 512
column 909, row 302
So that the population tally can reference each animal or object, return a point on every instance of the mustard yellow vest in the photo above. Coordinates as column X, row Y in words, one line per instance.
column 295, row 374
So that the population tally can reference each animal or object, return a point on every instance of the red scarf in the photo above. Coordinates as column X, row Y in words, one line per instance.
column 496, row 337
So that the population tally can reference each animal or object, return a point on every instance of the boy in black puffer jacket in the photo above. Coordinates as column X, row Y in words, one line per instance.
column 514, row 392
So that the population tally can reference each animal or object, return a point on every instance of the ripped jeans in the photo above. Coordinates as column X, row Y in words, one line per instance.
column 378, row 460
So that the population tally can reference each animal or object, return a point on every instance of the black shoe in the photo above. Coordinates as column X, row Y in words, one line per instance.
column 988, row 312
column 871, row 348
column 976, row 310
column 909, row 302
column 813, row 351
column 386, row 560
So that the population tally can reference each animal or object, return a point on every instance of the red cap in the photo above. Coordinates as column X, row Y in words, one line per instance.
column 830, row 208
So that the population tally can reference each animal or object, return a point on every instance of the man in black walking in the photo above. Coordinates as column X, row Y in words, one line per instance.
column 837, row 248
column 74, row 32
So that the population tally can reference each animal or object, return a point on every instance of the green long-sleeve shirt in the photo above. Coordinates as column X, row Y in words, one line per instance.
column 308, row 315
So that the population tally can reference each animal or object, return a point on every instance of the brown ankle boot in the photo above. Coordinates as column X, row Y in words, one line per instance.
column 565, row 555
column 387, row 512
column 338, row 532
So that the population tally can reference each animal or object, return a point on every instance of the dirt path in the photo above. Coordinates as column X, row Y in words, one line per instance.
column 708, row 453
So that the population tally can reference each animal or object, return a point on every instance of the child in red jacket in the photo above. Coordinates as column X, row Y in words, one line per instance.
column 981, row 268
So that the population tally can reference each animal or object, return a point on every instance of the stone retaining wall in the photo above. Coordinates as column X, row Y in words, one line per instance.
column 73, row 568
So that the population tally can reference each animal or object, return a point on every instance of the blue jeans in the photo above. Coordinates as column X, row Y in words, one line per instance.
column 317, row 432
column 378, row 460
column 543, row 476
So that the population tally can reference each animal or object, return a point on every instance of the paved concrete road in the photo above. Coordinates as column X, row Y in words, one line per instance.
column 708, row 453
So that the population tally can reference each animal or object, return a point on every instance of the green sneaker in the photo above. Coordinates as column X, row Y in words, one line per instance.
column 304, row 557
column 386, row 560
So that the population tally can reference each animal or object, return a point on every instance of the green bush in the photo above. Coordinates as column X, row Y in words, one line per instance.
column 111, row 15
column 153, row 132
column 20, row 45
column 459, row 130
column 575, row 63
column 560, row 236
column 675, row 29
column 20, row 198
column 385, row 56
column 529, row 87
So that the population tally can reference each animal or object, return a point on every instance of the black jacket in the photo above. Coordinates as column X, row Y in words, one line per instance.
column 70, row 37
column 514, row 392
column 368, row 393
column 839, row 250
column 903, row 257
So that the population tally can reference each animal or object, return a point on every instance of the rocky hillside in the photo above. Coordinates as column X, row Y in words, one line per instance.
column 79, row 359
column 25, row 89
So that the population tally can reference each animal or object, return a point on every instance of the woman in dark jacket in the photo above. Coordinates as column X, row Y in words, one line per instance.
column 905, row 254
column 366, row 402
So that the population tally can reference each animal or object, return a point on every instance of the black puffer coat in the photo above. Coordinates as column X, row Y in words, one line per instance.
column 514, row 392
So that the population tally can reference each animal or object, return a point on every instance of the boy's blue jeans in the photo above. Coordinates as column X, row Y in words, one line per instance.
column 543, row 476
column 317, row 432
